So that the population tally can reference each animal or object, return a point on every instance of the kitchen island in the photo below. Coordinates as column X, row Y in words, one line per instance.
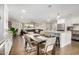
column 63, row 36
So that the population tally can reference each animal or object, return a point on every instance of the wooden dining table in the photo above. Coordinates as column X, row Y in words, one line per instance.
column 39, row 40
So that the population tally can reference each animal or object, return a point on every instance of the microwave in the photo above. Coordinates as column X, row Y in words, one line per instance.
column 60, row 27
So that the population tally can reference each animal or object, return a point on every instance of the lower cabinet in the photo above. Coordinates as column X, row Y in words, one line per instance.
column 65, row 39
column 8, row 45
column 2, row 48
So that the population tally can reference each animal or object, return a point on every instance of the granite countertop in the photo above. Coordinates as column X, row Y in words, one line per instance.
column 57, row 33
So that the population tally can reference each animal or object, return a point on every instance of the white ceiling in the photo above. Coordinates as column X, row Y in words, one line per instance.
column 41, row 11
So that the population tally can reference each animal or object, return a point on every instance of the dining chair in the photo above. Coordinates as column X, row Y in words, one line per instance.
column 49, row 46
column 29, row 48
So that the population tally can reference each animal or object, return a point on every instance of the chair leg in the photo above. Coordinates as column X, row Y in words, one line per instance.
column 25, row 46
column 54, row 50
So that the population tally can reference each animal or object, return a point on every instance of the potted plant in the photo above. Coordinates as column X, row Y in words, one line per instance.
column 13, row 31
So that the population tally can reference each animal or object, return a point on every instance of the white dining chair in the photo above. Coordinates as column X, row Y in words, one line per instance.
column 49, row 46
column 28, row 46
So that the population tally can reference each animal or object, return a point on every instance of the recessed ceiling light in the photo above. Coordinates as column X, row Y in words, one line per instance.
column 22, row 17
column 49, row 6
column 23, row 11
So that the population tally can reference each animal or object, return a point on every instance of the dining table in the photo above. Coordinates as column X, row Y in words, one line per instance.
column 38, row 39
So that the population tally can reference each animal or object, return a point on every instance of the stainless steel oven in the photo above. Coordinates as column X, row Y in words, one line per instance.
column 60, row 27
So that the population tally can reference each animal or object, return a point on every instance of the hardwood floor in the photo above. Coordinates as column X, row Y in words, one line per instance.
column 71, row 49
column 18, row 48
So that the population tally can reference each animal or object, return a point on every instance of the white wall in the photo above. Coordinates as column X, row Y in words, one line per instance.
column 1, row 22
column 61, row 21
column 7, row 36
column 5, row 21
column 72, row 20
column 75, row 19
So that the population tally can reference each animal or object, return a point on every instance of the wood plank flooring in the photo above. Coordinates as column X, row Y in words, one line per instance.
column 18, row 48
column 71, row 49
column 2, row 50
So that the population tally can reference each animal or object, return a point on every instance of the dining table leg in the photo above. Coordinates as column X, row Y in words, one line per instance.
column 38, row 49
column 38, row 46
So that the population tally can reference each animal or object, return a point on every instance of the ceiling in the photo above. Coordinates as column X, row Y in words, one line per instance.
column 41, row 12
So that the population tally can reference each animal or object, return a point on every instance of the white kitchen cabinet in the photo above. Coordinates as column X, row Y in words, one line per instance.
column 8, row 45
column 2, row 47
column 7, row 36
column 65, row 39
